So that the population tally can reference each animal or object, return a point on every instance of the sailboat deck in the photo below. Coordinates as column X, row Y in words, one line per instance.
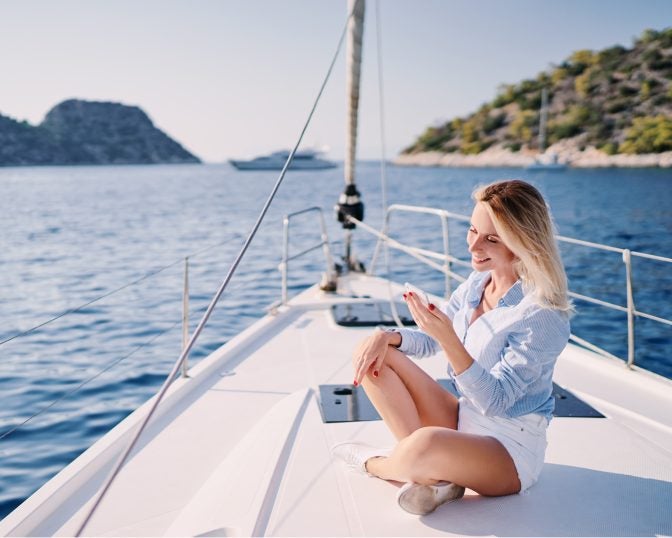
column 240, row 448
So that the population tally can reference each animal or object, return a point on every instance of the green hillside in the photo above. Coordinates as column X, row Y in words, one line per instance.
column 618, row 100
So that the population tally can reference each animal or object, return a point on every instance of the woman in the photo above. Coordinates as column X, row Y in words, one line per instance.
column 501, row 332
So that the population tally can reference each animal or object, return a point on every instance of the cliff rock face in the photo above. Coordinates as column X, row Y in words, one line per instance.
column 23, row 144
column 88, row 132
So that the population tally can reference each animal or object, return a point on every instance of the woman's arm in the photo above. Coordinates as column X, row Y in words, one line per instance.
column 370, row 354
column 525, row 365
column 529, row 354
column 439, row 326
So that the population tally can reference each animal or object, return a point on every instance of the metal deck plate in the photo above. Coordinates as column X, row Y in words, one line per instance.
column 370, row 314
column 347, row 403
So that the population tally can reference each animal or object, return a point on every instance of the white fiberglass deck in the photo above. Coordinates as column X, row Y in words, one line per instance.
column 241, row 448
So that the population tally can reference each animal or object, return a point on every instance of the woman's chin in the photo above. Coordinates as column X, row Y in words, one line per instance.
column 480, row 266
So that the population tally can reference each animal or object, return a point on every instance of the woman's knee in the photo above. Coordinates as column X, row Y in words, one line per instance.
column 392, row 364
column 423, row 440
column 378, row 375
column 395, row 358
column 419, row 450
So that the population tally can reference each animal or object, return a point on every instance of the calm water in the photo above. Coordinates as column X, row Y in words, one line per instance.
column 72, row 235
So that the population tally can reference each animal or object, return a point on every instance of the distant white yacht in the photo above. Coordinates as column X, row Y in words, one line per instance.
column 307, row 159
column 547, row 161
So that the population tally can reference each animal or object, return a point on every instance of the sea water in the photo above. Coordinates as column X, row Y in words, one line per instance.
column 109, row 244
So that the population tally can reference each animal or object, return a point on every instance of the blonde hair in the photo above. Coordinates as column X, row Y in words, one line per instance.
column 522, row 220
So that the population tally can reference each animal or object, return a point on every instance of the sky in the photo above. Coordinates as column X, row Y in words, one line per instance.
column 237, row 78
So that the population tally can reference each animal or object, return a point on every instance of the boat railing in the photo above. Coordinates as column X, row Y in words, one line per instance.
column 420, row 253
column 323, row 244
column 187, row 313
column 446, row 261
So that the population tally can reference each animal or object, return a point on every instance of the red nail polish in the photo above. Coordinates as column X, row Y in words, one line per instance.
column 431, row 306
column 404, row 296
column 375, row 373
column 410, row 293
column 355, row 383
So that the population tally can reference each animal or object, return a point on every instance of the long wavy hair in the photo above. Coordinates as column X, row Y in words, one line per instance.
column 523, row 221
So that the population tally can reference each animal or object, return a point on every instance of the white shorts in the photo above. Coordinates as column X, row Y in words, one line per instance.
column 523, row 437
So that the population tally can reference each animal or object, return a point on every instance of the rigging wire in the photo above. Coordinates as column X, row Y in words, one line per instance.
column 383, row 176
column 169, row 379
column 86, row 382
column 381, row 108
column 112, row 292
column 103, row 370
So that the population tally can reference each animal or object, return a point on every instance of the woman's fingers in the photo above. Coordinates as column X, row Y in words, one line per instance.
column 417, row 308
column 429, row 317
column 371, row 353
column 376, row 366
column 411, row 301
column 361, row 371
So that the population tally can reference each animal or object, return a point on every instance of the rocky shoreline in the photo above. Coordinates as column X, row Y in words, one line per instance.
column 573, row 157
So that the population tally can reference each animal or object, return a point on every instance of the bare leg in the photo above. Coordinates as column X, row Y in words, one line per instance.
column 407, row 398
column 423, row 417
column 433, row 453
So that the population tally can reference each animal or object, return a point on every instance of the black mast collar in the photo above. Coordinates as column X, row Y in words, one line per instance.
column 350, row 204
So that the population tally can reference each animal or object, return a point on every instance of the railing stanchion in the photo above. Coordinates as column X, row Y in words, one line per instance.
column 627, row 259
column 326, row 249
column 185, row 316
column 285, row 256
column 379, row 243
column 446, row 251
column 330, row 275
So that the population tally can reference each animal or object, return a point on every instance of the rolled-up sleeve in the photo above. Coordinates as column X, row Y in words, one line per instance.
column 530, row 351
column 417, row 343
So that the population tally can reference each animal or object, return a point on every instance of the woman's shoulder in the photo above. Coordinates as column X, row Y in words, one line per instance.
column 543, row 317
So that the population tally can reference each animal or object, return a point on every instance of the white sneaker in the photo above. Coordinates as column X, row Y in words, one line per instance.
column 421, row 500
column 355, row 455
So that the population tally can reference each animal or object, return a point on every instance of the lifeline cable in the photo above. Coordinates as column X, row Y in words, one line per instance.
column 96, row 375
column 109, row 293
column 85, row 382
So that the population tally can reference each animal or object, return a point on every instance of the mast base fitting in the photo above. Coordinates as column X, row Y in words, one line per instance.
column 349, row 205
column 356, row 266
column 328, row 285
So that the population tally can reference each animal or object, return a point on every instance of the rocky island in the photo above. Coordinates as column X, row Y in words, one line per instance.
column 607, row 108
column 77, row 132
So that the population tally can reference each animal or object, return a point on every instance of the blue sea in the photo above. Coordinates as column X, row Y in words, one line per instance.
column 115, row 238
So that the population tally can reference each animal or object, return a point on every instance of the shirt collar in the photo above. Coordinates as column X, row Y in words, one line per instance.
column 511, row 298
column 514, row 295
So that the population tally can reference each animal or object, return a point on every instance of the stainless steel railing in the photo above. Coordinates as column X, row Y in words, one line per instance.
column 324, row 244
column 427, row 257
column 630, row 309
column 448, row 260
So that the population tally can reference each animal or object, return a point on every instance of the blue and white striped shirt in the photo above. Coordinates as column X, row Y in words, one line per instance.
column 514, row 347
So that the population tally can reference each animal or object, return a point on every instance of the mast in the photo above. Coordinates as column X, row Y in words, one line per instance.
column 543, row 117
column 353, row 72
column 349, row 202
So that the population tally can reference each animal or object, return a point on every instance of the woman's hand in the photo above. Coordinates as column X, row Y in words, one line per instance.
column 369, row 355
column 439, row 326
column 430, row 319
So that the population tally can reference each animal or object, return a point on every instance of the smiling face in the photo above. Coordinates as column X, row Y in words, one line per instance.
column 488, row 251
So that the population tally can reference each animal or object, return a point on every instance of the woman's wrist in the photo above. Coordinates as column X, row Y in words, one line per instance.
column 458, row 357
column 392, row 337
